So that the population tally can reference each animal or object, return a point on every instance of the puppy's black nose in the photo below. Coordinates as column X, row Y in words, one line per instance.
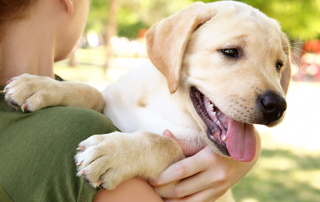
column 273, row 106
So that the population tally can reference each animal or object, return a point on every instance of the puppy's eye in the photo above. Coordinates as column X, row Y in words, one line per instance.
column 230, row 52
column 278, row 66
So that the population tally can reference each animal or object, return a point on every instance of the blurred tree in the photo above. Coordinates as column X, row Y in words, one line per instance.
column 127, row 17
column 132, row 15
column 111, row 30
column 98, row 16
column 298, row 18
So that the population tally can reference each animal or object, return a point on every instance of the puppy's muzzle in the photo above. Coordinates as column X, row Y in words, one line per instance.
column 272, row 106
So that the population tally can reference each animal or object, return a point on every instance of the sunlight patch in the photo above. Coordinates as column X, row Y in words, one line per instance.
column 311, row 177
column 249, row 200
column 277, row 163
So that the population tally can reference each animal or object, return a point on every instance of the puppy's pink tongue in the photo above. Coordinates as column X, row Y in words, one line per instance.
column 241, row 141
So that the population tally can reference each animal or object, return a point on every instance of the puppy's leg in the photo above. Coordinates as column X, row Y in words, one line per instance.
column 31, row 93
column 108, row 160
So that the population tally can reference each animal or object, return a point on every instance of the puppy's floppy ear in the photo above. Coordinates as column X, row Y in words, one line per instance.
column 167, row 40
column 286, row 73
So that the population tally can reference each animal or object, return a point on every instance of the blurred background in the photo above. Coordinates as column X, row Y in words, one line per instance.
column 289, row 167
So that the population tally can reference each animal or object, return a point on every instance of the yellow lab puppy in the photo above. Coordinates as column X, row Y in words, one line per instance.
column 216, row 70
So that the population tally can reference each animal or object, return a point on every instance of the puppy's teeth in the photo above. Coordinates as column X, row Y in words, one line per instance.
column 223, row 137
column 218, row 122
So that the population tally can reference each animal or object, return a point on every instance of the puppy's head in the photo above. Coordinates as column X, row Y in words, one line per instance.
column 234, row 62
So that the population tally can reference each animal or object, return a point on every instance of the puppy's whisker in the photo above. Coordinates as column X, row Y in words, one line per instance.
column 297, row 57
column 304, row 42
column 300, row 49
column 199, row 106
column 292, row 60
column 295, row 43
column 205, row 112
column 292, row 46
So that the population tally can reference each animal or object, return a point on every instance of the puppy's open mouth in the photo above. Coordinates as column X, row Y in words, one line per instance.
column 230, row 137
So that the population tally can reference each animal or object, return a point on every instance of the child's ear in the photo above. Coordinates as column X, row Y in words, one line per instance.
column 69, row 5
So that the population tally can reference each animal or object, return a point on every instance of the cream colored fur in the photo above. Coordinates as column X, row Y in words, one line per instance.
column 185, row 50
column 40, row 92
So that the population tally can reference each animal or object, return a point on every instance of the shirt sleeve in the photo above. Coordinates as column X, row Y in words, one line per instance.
column 37, row 153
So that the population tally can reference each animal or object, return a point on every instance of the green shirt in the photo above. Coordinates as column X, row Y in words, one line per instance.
column 37, row 153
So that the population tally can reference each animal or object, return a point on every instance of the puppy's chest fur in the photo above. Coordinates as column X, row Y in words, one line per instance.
column 141, row 100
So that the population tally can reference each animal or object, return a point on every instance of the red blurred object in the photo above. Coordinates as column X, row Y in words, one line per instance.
column 312, row 47
column 310, row 68
column 142, row 33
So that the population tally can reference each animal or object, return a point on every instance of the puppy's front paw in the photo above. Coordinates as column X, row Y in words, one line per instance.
column 103, row 160
column 29, row 92
column 108, row 160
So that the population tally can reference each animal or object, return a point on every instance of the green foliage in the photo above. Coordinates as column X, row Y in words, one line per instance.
column 98, row 15
column 298, row 18
column 130, row 31
column 133, row 15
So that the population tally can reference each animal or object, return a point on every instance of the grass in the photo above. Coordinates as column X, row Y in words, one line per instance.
column 90, row 66
column 289, row 167
column 281, row 175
